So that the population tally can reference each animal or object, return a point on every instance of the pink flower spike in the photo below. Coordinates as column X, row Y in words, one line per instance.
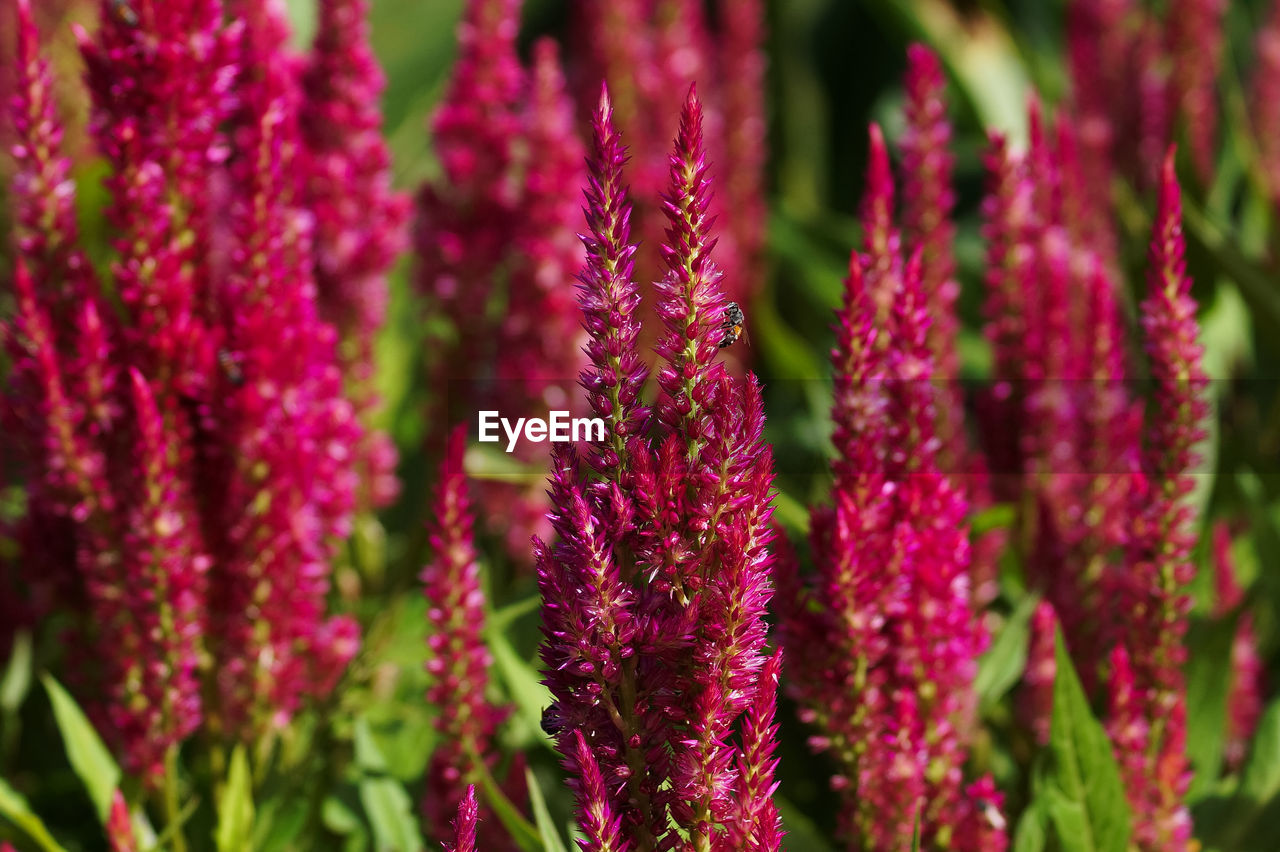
column 464, row 824
column 458, row 662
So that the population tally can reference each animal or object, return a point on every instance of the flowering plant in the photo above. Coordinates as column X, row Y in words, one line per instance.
column 925, row 500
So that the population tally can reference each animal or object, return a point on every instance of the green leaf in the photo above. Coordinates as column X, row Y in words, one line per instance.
column 17, row 675
column 1082, row 792
column 1003, row 663
column 1030, row 835
column 542, row 818
column 278, row 825
column 524, row 687
column 1208, row 679
column 1245, row 822
column 995, row 517
column 89, row 758
column 385, row 802
column 500, row 619
column 802, row 834
column 521, row 830
column 235, row 805
column 15, row 809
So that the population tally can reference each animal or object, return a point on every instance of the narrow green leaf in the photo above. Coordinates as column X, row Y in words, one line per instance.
column 1208, row 679
column 235, row 805
column 523, row 832
column 1242, row 823
column 15, row 809
column 524, row 687
column 998, row 516
column 500, row 619
column 89, row 758
column 278, row 824
column 1030, row 834
column 1082, row 792
column 385, row 801
column 1003, row 663
column 542, row 817
column 17, row 676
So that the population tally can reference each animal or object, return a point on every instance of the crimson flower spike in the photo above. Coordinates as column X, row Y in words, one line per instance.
column 654, row 591
column 1264, row 98
column 610, row 297
column 881, row 240
column 1160, row 549
column 459, row 661
column 886, row 643
column 464, row 824
column 359, row 220
column 1195, row 35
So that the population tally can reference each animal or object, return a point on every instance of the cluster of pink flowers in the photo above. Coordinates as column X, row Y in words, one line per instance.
column 459, row 661
column 496, row 228
column 193, row 459
column 1104, row 528
column 648, row 52
column 884, row 639
column 1138, row 77
column 655, row 587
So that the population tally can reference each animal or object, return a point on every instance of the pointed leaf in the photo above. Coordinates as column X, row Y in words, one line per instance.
column 542, row 818
column 235, row 806
column 1082, row 792
column 15, row 809
column 1003, row 663
column 88, row 755
column 385, row 801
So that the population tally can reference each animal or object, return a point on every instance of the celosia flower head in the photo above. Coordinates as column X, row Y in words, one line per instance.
column 459, row 661
column 655, row 588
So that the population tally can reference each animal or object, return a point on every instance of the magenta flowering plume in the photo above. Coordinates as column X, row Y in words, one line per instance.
column 1061, row 428
column 188, row 451
column 1195, row 35
column 655, row 588
column 459, row 661
column 1009, row 223
column 464, row 824
column 119, row 827
column 603, row 829
column 1160, row 549
column 280, row 411
column 648, row 53
column 885, row 641
column 741, row 65
column 928, row 199
column 609, row 298
column 1041, row 670
column 497, row 227
column 881, row 239
column 1244, row 698
column 359, row 221
column 1264, row 101
column 1102, row 45
column 154, row 616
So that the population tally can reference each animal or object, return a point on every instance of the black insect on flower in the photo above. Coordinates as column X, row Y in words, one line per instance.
column 733, row 324
column 552, row 721
column 230, row 368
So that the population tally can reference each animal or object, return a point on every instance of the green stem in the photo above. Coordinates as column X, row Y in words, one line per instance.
column 172, row 807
